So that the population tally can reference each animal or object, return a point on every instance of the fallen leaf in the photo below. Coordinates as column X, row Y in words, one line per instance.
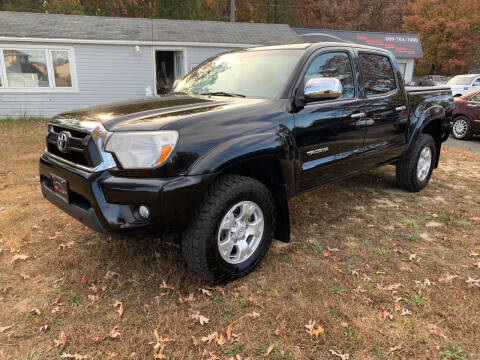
column 195, row 341
column 412, row 256
column 311, row 329
column 66, row 246
column 73, row 356
column 111, row 353
column 392, row 287
column 269, row 350
column 35, row 311
column 114, row 333
column 471, row 282
column 44, row 328
column 326, row 254
column 333, row 249
column 93, row 298
column 93, row 288
column 355, row 272
column 477, row 264
column 383, row 315
column 190, row 298
column 475, row 218
column 119, row 306
column 165, row 286
column 397, row 306
column 205, row 292
column 339, row 354
column 254, row 315
column 5, row 328
column 209, row 338
column 200, row 318
column 110, row 275
column 221, row 340
column 447, row 278
column 229, row 331
column 473, row 253
column 61, row 341
column 19, row 257
column 433, row 328
column 406, row 312
column 395, row 348
column 25, row 276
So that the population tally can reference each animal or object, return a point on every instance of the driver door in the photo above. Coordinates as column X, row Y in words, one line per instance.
column 330, row 133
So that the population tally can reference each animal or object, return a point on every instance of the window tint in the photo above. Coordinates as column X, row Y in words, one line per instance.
column 61, row 68
column 250, row 73
column 476, row 82
column 26, row 68
column 333, row 65
column 475, row 98
column 377, row 74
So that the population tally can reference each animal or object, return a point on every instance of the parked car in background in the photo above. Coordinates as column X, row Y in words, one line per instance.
column 461, row 84
column 466, row 115
column 432, row 80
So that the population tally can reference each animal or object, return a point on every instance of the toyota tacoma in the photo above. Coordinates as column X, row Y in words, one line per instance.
column 213, row 164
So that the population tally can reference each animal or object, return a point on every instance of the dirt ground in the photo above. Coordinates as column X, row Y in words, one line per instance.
column 372, row 272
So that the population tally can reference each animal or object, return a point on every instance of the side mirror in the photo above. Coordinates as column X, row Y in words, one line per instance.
column 323, row 88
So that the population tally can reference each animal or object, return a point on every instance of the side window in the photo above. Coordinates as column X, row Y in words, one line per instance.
column 475, row 98
column 377, row 74
column 334, row 65
column 476, row 82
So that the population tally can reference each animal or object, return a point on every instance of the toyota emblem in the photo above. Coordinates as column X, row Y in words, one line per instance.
column 62, row 141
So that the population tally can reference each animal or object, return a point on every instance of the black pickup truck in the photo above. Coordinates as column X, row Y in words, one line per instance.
column 216, row 161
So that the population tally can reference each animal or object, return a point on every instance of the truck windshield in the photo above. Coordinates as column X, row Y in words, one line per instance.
column 261, row 74
column 460, row 80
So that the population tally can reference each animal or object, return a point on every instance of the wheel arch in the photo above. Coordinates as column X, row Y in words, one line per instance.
column 430, row 121
column 267, row 158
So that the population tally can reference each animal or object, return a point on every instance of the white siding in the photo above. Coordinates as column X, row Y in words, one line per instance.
column 105, row 73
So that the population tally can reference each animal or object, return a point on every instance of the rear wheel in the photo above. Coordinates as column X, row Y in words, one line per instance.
column 462, row 128
column 232, row 230
column 414, row 172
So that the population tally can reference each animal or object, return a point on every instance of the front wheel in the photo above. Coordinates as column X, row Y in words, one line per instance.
column 414, row 172
column 232, row 230
column 462, row 128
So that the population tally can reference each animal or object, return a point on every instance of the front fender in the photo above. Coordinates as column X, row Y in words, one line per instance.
column 248, row 147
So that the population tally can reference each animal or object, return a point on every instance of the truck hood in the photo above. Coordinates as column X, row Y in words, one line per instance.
column 154, row 113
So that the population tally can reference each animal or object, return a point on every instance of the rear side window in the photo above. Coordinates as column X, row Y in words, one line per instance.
column 377, row 74
column 334, row 65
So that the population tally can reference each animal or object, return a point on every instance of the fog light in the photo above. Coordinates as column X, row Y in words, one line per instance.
column 143, row 211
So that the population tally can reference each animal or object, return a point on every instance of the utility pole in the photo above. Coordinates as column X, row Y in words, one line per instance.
column 232, row 10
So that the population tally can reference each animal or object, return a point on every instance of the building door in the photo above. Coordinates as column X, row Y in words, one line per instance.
column 168, row 68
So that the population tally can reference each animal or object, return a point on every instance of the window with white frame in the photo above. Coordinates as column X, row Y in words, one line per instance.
column 34, row 68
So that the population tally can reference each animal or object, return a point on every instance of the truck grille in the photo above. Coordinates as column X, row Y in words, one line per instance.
column 80, row 148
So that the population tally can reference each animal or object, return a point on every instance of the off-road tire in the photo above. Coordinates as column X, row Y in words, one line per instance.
column 199, row 242
column 468, row 134
column 407, row 178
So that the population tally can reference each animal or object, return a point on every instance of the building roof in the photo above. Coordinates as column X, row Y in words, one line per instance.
column 401, row 45
column 79, row 27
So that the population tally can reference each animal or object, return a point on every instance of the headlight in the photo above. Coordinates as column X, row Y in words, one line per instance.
column 137, row 150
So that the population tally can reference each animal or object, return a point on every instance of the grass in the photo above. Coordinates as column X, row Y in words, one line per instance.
column 343, row 292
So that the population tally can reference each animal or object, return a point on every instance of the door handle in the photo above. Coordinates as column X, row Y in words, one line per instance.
column 358, row 115
column 401, row 108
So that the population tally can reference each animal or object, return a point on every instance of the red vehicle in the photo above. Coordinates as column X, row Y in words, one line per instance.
column 466, row 116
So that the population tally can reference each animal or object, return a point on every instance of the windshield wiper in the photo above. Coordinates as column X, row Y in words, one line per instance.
column 222, row 93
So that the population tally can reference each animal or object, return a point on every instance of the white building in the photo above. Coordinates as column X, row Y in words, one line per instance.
column 53, row 63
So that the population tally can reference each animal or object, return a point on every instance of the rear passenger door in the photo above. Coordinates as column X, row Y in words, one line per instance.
column 382, row 90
